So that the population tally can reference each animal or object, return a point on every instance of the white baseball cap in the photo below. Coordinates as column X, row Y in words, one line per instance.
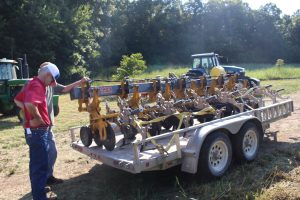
column 53, row 70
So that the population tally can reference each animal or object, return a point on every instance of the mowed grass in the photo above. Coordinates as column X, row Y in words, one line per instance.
column 275, row 73
column 260, row 71
column 86, row 180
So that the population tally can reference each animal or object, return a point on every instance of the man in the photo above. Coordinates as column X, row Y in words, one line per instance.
column 52, row 154
column 32, row 100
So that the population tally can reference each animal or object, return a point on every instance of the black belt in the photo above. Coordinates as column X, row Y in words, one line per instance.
column 42, row 128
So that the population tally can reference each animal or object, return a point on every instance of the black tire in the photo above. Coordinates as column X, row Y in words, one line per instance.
column 204, row 118
column 155, row 129
column 246, row 143
column 56, row 110
column 129, row 132
column 173, row 122
column 20, row 115
column 170, row 122
column 215, row 155
column 97, row 140
column 86, row 136
column 110, row 141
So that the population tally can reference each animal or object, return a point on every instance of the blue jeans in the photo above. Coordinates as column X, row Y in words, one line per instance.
column 52, row 154
column 38, row 165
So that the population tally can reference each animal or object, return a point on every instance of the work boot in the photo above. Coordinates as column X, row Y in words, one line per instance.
column 52, row 180
column 51, row 196
column 47, row 189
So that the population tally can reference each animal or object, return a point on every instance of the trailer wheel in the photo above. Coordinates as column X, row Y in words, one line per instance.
column 110, row 141
column 86, row 136
column 215, row 155
column 246, row 142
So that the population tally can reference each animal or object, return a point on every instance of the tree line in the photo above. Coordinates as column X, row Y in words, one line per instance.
column 81, row 36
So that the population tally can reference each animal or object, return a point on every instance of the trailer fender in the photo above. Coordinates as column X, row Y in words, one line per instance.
column 192, row 150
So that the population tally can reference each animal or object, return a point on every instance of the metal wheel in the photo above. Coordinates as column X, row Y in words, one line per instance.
column 250, row 144
column 215, row 155
column 218, row 157
column 247, row 142
column 86, row 136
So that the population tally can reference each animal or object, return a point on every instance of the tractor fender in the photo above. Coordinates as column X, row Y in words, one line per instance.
column 193, row 148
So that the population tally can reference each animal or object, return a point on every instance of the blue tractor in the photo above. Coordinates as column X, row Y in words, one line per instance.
column 207, row 64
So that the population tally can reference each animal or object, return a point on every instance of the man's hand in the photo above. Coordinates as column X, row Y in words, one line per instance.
column 69, row 87
column 84, row 80
column 34, row 112
column 36, row 122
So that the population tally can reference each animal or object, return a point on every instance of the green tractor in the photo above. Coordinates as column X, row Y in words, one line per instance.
column 11, row 85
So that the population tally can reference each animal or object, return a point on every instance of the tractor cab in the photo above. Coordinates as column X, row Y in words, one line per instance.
column 11, row 85
column 203, row 64
column 8, row 69
column 208, row 64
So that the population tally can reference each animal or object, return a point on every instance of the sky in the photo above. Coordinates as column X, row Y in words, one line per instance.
column 286, row 6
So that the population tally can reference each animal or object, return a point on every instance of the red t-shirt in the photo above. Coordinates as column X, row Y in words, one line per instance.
column 34, row 92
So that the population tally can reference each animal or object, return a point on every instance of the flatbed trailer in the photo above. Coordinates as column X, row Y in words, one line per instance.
column 205, row 148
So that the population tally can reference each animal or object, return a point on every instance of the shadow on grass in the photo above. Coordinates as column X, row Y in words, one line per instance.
column 241, row 181
column 6, row 122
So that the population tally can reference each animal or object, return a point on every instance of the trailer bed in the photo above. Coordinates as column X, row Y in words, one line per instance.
column 131, row 158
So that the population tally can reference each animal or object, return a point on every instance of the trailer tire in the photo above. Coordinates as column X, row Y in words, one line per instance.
column 86, row 136
column 246, row 143
column 215, row 155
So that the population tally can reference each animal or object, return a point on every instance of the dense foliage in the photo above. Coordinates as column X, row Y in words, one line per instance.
column 130, row 66
column 93, row 35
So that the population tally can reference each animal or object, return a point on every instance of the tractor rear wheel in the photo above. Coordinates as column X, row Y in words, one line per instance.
column 56, row 110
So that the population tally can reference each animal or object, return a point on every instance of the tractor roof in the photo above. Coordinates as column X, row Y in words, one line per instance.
column 4, row 60
column 205, row 54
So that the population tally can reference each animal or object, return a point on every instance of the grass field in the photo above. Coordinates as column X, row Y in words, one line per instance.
column 260, row 71
column 87, row 180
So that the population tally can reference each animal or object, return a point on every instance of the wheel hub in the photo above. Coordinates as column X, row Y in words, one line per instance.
column 217, row 158
column 250, row 143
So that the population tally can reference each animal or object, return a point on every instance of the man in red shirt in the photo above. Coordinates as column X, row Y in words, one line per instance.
column 32, row 99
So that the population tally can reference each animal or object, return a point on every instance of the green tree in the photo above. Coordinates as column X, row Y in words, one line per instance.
column 130, row 66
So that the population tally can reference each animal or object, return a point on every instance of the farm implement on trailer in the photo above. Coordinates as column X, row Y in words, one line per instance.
column 196, row 122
